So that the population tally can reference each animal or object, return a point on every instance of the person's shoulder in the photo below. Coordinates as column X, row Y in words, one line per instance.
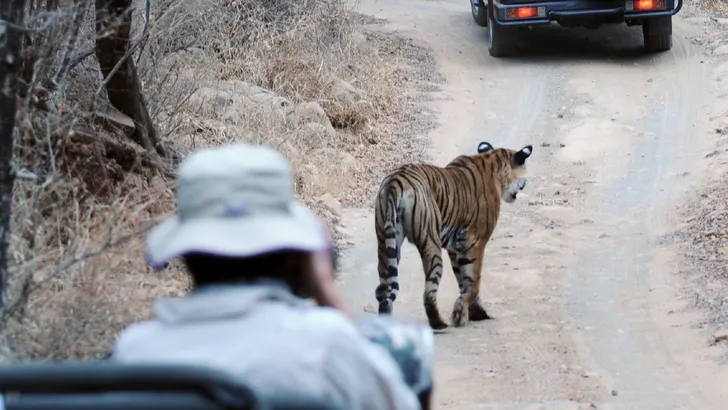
column 329, row 320
column 339, row 333
column 135, row 336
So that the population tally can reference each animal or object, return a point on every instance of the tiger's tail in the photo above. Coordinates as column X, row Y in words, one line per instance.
column 389, row 242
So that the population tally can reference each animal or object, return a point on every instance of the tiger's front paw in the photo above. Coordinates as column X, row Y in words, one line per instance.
column 459, row 316
column 477, row 312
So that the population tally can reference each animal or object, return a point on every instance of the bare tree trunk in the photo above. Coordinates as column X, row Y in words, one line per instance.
column 11, row 37
column 113, row 31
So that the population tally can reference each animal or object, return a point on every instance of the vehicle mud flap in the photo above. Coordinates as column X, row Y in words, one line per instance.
column 657, row 34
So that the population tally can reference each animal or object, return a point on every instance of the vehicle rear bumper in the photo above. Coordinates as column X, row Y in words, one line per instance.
column 578, row 11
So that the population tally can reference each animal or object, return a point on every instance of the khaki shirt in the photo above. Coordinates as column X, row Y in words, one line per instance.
column 275, row 342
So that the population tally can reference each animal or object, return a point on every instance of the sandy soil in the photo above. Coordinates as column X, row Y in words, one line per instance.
column 589, row 312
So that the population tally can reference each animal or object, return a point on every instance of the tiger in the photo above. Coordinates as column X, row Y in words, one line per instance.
column 455, row 207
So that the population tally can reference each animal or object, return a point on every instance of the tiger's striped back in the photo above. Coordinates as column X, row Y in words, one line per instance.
column 454, row 207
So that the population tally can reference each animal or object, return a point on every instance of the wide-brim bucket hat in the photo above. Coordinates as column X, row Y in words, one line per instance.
column 235, row 201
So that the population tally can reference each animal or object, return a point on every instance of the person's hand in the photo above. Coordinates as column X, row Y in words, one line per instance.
column 324, row 288
column 321, row 276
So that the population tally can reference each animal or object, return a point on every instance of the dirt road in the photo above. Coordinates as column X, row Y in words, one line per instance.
column 587, row 311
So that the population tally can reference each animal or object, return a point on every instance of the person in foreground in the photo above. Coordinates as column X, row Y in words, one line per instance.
column 255, row 255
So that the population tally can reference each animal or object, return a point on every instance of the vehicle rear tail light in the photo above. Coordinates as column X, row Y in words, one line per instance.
column 645, row 5
column 525, row 12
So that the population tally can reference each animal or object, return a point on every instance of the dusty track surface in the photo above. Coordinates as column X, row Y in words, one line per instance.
column 587, row 311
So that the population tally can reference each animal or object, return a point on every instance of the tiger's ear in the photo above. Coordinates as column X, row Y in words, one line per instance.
column 520, row 157
column 484, row 147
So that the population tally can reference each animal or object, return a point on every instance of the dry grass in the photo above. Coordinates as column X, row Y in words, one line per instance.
column 87, row 193
column 717, row 7
column 704, row 241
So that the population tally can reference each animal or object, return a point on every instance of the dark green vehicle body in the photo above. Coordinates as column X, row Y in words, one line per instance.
column 656, row 22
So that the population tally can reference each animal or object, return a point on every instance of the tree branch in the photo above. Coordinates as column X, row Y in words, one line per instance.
column 110, row 242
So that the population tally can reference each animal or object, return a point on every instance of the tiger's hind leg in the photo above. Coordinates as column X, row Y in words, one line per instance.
column 469, row 259
column 431, row 254
column 476, row 311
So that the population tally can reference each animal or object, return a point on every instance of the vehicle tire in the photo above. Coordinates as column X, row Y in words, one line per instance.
column 500, row 38
column 655, row 44
column 657, row 34
column 480, row 12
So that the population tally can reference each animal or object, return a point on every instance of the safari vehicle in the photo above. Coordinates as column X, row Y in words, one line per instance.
column 502, row 17
column 111, row 386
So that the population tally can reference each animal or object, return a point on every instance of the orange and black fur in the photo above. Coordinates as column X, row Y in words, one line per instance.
column 456, row 208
